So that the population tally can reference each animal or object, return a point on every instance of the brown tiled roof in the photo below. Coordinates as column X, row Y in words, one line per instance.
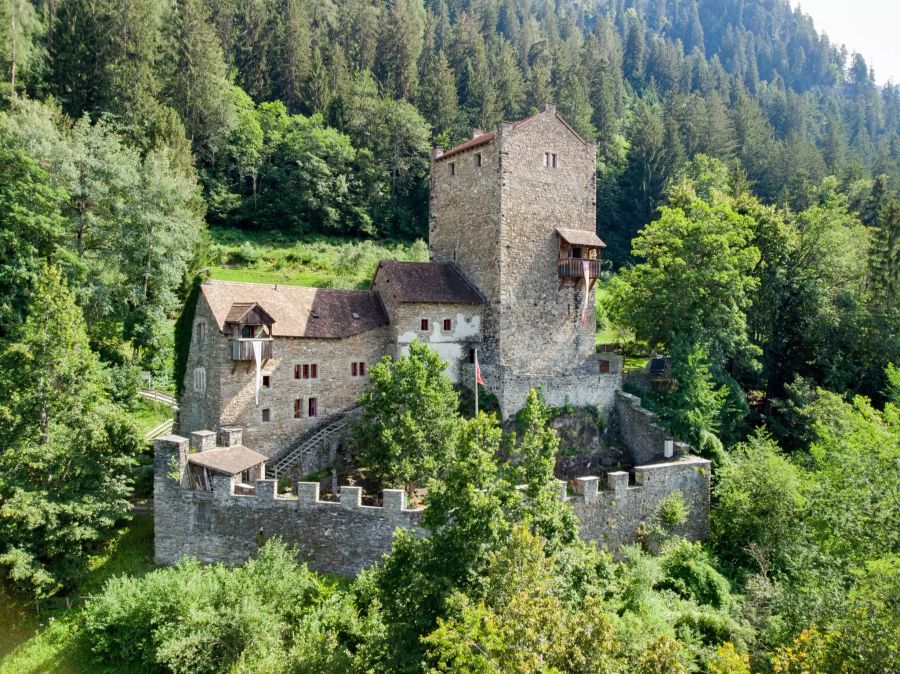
column 580, row 237
column 319, row 313
column 468, row 145
column 437, row 282
column 229, row 460
column 239, row 311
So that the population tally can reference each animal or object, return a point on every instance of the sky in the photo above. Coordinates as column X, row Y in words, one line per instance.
column 865, row 26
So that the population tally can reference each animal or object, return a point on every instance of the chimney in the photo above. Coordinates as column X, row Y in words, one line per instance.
column 550, row 107
column 476, row 133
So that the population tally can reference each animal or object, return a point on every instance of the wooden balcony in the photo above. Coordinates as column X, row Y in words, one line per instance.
column 242, row 349
column 572, row 268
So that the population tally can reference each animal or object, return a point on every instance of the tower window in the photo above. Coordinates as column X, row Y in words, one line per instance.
column 453, row 168
column 199, row 380
column 550, row 159
column 266, row 415
column 298, row 408
column 267, row 381
column 424, row 325
column 448, row 325
column 306, row 371
column 358, row 369
column 200, row 331
column 477, row 160
column 313, row 407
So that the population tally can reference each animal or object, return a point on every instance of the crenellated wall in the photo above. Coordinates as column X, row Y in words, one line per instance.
column 342, row 537
column 611, row 513
column 346, row 537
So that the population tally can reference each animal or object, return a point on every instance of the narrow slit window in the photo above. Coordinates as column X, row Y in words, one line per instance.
column 313, row 407
column 266, row 415
column 477, row 160
column 453, row 168
column 298, row 408
column 471, row 356
column 306, row 371
column 354, row 369
column 546, row 159
column 553, row 159
column 313, row 371
column 297, row 371
column 362, row 369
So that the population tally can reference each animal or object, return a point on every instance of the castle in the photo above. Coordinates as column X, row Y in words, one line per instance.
column 514, row 258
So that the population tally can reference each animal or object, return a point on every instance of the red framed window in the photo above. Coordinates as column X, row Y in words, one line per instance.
column 313, row 371
column 424, row 325
column 298, row 408
column 313, row 407
column 354, row 369
column 448, row 325
column 296, row 372
column 266, row 415
column 362, row 369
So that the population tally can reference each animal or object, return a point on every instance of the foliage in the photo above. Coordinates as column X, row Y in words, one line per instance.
column 67, row 451
column 184, row 333
column 409, row 417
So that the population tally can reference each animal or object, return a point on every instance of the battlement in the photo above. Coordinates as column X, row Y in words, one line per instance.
column 640, row 431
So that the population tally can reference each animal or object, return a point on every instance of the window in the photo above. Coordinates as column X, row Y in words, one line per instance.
column 298, row 408
column 424, row 325
column 266, row 415
column 199, row 379
column 358, row 369
column 477, row 159
column 576, row 252
column 550, row 159
column 200, row 331
column 604, row 366
column 313, row 407
column 471, row 356
column 306, row 371
column 245, row 476
column 267, row 381
column 453, row 168
column 448, row 325
column 248, row 331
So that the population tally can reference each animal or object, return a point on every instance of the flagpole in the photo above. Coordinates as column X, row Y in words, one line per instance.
column 476, row 383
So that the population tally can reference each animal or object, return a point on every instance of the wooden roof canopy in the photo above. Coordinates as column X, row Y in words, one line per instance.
column 580, row 237
column 228, row 460
column 249, row 313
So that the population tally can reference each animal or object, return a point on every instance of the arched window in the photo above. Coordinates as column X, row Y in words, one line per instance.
column 200, row 379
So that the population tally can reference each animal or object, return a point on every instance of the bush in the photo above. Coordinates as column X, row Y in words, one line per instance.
column 123, row 384
column 688, row 571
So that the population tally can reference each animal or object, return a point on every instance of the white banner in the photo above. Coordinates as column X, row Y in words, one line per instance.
column 257, row 356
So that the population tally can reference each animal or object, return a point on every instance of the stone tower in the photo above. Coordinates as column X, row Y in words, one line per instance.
column 515, row 209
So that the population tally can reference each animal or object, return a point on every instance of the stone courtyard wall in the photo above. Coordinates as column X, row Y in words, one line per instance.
column 640, row 431
column 346, row 537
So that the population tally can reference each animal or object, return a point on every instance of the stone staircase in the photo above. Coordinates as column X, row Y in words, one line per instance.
column 309, row 450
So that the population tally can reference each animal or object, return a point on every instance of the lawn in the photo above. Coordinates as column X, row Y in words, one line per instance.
column 50, row 643
column 148, row 414
column 276, row 257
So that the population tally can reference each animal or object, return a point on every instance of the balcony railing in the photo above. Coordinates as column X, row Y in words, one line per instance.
column 242, row 349
column 572, row 268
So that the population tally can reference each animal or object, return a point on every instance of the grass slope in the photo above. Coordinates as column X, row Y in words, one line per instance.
column 276, row 257
column 51, row 643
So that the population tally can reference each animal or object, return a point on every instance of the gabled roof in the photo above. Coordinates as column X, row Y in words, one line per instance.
column 484, row 138
column 248, row 313
column 316, row 313
column 438, row 282
column 580, row 237
column 228, row 460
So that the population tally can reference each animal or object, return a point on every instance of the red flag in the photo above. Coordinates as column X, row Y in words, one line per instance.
column 478, row 379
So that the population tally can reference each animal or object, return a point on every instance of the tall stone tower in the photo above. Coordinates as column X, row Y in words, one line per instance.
column 515, row 209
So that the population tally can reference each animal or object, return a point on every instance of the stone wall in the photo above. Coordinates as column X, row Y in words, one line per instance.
column 342, row 538
column 229, row 399
column 345, row 537
column 640, row 431
column 611, row 514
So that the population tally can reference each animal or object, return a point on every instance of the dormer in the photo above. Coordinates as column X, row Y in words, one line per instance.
column 579, row 256
column 248, row 322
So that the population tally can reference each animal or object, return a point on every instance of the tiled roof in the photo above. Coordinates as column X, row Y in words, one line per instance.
column 469, row 144
column 580, row 237
column 438, row 282
column 318, row 313
column 229, row 460
column 240, row 310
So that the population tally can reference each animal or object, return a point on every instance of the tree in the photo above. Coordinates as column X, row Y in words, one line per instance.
column 694, row 283
column 692, row 412
column 197, row 86
column 21, row 55
column 400, row 46
column 67, row 452
column 32, row 229
column 437, row 98
column 409, row 418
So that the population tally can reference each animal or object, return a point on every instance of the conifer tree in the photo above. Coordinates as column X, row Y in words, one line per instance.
column 400, row 46
column 437, row 97
column 295, row 57
column 510, row 84
column 634, row 55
